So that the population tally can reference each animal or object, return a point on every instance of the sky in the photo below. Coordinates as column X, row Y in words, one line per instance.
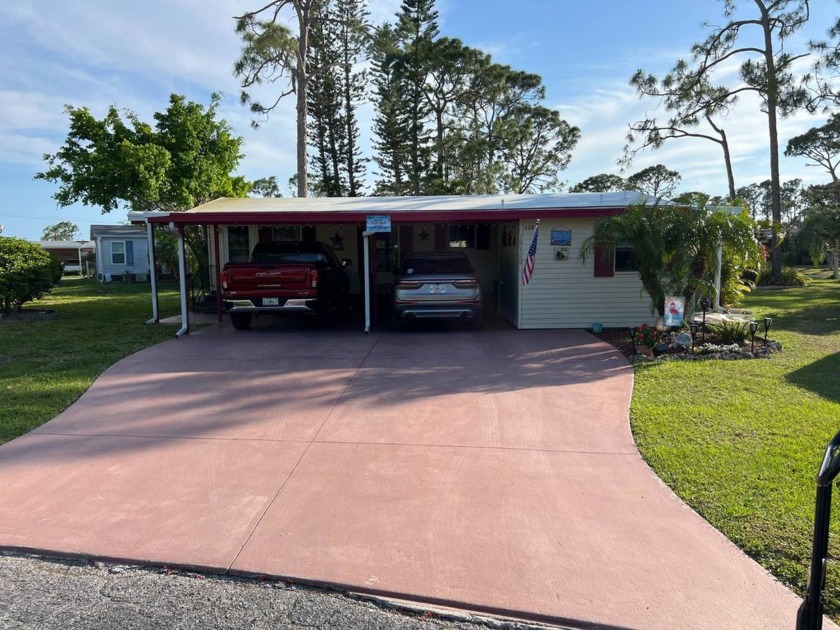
column 97, row 53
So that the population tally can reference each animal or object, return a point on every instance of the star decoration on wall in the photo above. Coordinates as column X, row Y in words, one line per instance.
column 424, row 235
column 337, row 241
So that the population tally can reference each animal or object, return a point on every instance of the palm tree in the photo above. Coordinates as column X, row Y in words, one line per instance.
column 674, row 246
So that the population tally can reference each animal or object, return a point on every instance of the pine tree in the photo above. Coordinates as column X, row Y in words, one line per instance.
column 390, row 125
column 416, row 31
column 352, row 37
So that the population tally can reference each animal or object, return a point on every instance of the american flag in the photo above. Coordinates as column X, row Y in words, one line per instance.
column 528, row 271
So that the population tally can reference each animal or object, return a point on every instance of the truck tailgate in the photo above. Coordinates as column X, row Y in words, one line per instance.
column 253, row 277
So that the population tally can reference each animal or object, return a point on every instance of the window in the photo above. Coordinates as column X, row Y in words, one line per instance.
column 462, row 236
column 625, row 259
column 117, row 252
column 239, row 248
column 286, row 233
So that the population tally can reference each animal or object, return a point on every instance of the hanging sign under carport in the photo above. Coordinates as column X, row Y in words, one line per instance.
column 378, row 223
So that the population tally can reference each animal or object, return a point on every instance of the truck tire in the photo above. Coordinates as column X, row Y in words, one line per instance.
column 240, row 321
column 323, row 316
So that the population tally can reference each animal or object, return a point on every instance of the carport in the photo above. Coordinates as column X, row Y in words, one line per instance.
column 495, row 229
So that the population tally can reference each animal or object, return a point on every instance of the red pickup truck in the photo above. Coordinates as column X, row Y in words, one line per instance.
column 285, row 277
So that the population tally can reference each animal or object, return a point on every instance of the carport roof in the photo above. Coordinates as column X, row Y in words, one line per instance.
column 227, row 211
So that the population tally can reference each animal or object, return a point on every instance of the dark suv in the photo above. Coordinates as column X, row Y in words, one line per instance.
column 437, row 286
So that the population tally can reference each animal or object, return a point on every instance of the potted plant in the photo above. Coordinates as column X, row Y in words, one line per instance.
column 645, row 339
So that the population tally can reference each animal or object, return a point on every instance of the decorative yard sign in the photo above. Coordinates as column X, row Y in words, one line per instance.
column 674, row 310
column 378, row 223
column 562, row 238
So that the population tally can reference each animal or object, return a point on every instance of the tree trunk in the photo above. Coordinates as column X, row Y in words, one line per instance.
column 302, row 94
column 727, row 158
column 772, row 119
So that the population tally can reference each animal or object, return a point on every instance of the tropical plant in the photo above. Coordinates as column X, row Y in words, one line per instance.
column 675, row 246
column 789, row 277
column 730, row 331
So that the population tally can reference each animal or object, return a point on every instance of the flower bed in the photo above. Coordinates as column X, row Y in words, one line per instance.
column 666, row 348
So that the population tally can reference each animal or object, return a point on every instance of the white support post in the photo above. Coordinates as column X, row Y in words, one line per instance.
column 182, row 269
column 718, row 267
column 150, row 236
column 366, row 288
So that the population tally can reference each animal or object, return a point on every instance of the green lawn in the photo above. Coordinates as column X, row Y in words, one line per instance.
column 741, row 441
column 47, row 362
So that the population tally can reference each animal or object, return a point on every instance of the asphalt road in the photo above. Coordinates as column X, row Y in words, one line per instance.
column 45, row 594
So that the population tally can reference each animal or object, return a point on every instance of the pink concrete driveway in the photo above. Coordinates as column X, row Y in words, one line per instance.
column 492, row 471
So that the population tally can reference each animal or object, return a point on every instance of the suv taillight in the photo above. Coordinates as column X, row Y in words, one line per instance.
column 466, row 284
column 409, row 284
column 225, row 279
column 313, row 278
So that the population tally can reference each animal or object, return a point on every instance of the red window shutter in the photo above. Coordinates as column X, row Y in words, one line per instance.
column 604, row 259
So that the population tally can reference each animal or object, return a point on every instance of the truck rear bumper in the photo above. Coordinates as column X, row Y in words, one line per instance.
column 292, row 305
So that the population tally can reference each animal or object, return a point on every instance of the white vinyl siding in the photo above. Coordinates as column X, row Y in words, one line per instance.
column 565, row 293
column 135, row 256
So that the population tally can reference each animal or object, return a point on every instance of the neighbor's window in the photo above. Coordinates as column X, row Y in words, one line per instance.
column 625, row 260
column 461, row 235
column 118, row 252
column 239, row 249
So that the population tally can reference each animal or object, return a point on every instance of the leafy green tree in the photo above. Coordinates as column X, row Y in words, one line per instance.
column 674, row 246
column 271, row 52
column 61, row 231
column 605, row 182
column 821, row 145
column 539, row 145
column 657, row 181
column 265, row 187
column 451, row 68
column 26, row 273
column 820, row 230
column 187, row 158
column 758, row 198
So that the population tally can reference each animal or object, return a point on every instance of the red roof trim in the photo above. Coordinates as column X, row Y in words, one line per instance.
column 267, row 218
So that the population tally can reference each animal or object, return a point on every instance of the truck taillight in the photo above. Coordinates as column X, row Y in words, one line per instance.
column 313, row 278
column 225, row 279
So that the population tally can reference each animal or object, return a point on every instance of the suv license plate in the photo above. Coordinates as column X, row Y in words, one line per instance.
column 437, row 288
column 271, row 302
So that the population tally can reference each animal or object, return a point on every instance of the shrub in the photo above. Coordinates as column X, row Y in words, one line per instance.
column 26, row 273
column 647, row 335
column 56, row 270
column 730, row 331
column 790, row 278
